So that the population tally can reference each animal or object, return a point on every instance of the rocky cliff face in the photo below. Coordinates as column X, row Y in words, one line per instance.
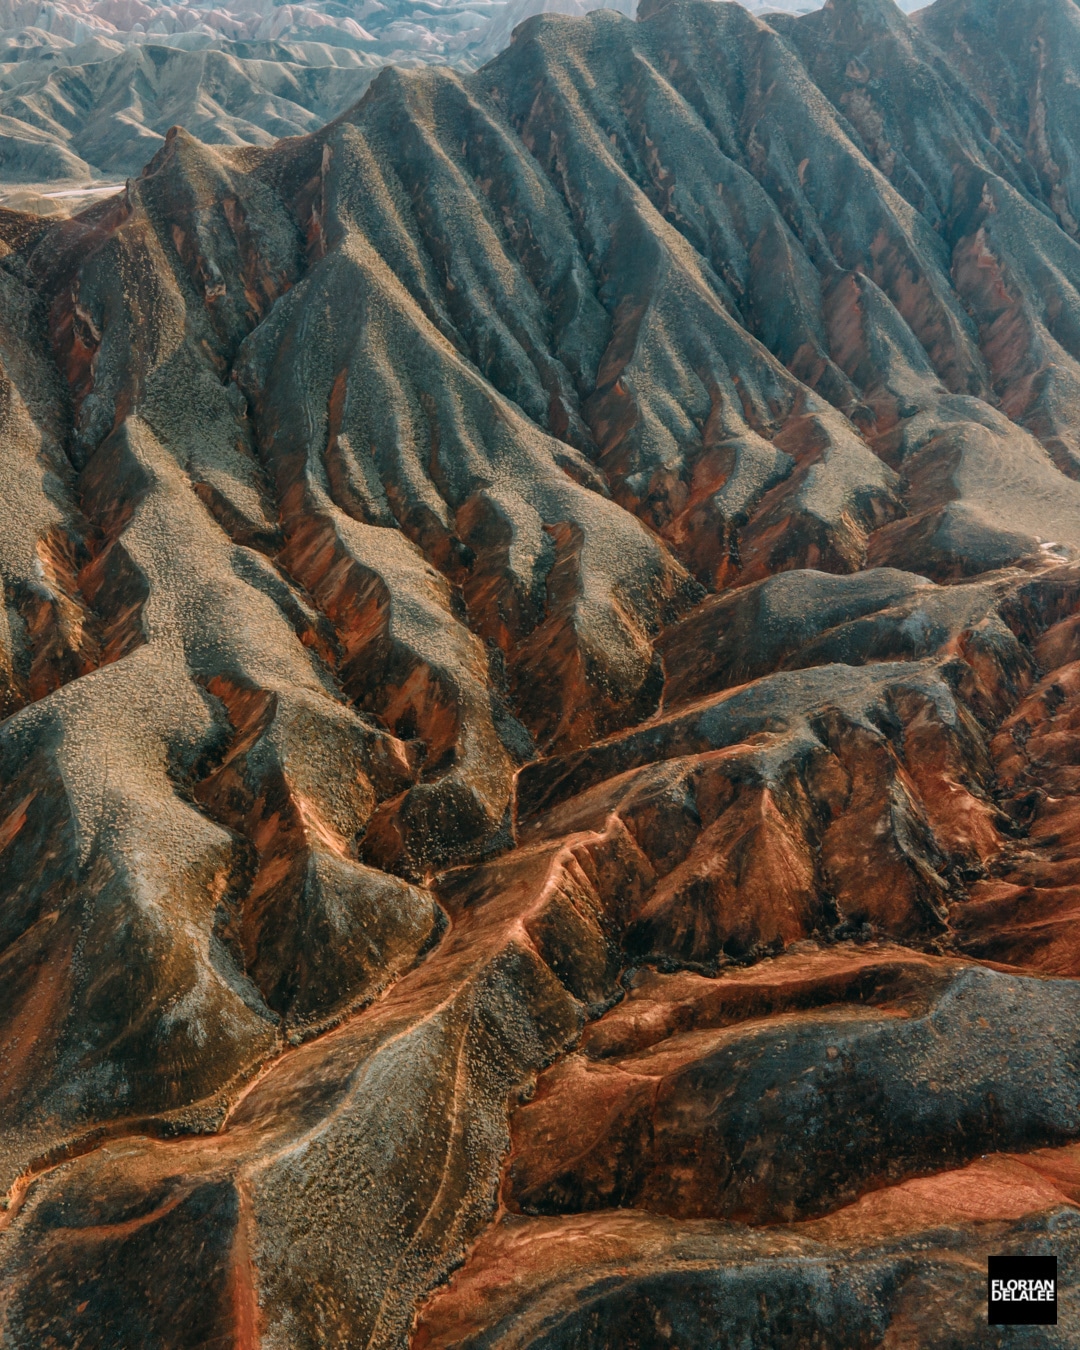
column 540, row 670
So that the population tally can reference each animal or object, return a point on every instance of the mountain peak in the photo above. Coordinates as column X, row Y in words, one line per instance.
column 867, row 17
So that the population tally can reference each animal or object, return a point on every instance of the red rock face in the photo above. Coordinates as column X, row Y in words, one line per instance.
column 540, row 678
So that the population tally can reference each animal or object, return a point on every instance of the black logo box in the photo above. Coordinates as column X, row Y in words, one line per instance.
column 1017, row 1292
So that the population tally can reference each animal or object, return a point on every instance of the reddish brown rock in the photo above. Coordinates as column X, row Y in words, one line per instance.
column 539, row 701
column 606, row 1277
column 691, row 1124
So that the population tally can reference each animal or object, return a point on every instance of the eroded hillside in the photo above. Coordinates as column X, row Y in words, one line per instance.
column 540, row 671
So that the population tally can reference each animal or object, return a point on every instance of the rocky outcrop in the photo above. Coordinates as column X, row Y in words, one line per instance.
column 540, row 684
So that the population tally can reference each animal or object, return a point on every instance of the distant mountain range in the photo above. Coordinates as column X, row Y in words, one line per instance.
column 88, row 88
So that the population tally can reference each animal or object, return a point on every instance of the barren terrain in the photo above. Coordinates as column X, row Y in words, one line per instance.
column 540, row 678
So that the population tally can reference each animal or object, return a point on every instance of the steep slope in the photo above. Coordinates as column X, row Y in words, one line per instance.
column 88, row 88
column 104, row 115
column 539, row 680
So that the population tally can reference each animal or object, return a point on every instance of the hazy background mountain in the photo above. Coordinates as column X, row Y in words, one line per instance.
column 88, row 89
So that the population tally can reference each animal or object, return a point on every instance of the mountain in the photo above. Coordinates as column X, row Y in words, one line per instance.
column 94, row 115
column 89, row 89
column 538, row 771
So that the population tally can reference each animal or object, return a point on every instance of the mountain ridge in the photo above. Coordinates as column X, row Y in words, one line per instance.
column 89, row 91
column 539, row 678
